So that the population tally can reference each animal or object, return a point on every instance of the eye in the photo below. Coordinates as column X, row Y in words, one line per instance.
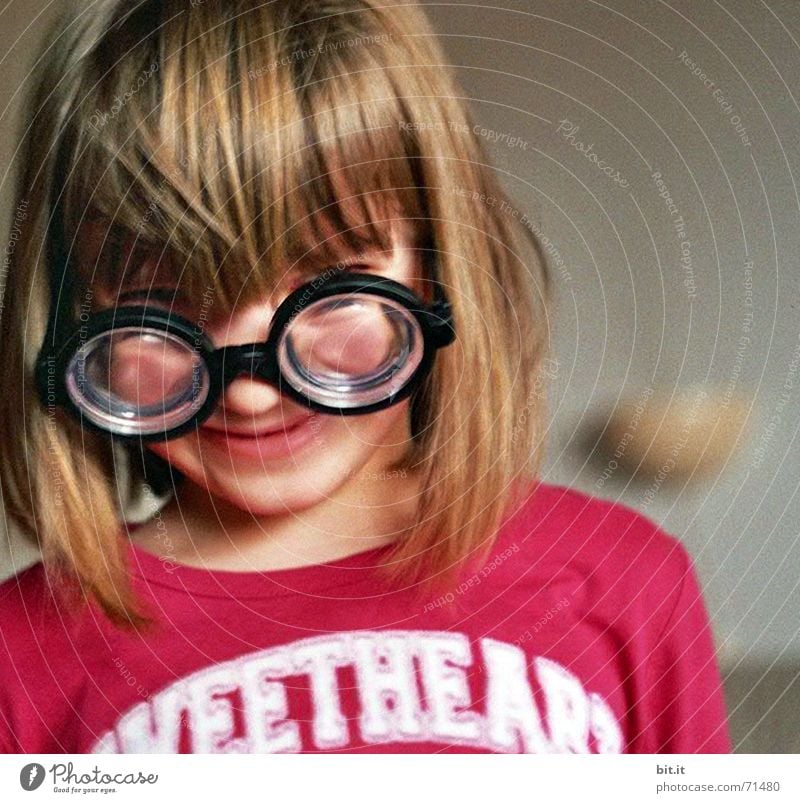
column 166, row 299
column 328, row 272
column 159, row 296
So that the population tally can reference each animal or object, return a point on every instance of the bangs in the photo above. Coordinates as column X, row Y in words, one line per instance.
column 224, row 151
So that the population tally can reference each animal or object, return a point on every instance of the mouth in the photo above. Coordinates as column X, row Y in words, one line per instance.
column 269, row 443
column 266, row 432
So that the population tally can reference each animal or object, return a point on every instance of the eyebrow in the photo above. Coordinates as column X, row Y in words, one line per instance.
column 321, row 258
column 141, row 274
column 325, row 255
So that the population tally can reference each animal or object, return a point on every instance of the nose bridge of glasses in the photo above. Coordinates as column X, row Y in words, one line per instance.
column 254, row 359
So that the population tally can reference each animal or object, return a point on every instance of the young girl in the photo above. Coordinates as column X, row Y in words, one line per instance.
column 267, row 273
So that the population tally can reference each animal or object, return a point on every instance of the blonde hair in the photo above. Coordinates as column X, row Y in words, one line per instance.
column 226, row 138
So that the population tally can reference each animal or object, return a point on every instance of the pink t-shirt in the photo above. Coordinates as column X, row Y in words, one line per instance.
column 583, row 631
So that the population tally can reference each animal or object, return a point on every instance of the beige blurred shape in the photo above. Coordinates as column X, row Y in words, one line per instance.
column 689, row 434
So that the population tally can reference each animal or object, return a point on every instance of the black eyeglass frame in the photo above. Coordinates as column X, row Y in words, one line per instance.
column 257, row 359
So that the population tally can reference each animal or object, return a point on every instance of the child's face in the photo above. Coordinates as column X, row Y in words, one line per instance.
column 305, row 457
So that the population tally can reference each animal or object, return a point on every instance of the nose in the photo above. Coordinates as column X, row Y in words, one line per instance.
column 247, row 395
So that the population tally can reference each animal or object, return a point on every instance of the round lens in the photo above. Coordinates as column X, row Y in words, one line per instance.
column 351, row 350
column 137, row 381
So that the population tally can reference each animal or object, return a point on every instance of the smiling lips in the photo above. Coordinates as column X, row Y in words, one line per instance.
column 267, row 431
column 269, row 444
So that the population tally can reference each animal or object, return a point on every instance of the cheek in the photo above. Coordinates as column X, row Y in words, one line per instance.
column 384, row 428
column 180, row 452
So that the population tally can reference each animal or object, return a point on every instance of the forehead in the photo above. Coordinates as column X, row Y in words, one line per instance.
column 110, row 260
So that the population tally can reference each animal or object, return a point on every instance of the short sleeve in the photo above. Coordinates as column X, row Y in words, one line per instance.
column 684, row 701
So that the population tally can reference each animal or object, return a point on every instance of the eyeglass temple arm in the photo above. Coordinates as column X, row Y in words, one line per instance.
column 441, row 311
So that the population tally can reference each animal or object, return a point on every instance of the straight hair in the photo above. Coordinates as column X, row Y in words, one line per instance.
column 226, row 142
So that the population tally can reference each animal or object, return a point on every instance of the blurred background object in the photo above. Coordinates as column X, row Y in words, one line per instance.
column 686, row 435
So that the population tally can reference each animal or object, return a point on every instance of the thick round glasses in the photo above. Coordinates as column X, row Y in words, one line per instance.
column 348, row 345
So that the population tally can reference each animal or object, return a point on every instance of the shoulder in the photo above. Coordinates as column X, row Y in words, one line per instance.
column 28, row 611
column 22, row 594
column 44, row 646
column 612, row 551
column 37, row 617
column 24, row 612
column 573, row 522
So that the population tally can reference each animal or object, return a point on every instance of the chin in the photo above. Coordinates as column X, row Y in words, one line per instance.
column 271, row 495
column 273, row 502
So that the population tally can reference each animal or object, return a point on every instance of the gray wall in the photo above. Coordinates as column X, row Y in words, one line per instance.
column 21, row 24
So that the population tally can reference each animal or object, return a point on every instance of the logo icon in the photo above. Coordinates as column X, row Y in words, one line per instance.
column 31, row 777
